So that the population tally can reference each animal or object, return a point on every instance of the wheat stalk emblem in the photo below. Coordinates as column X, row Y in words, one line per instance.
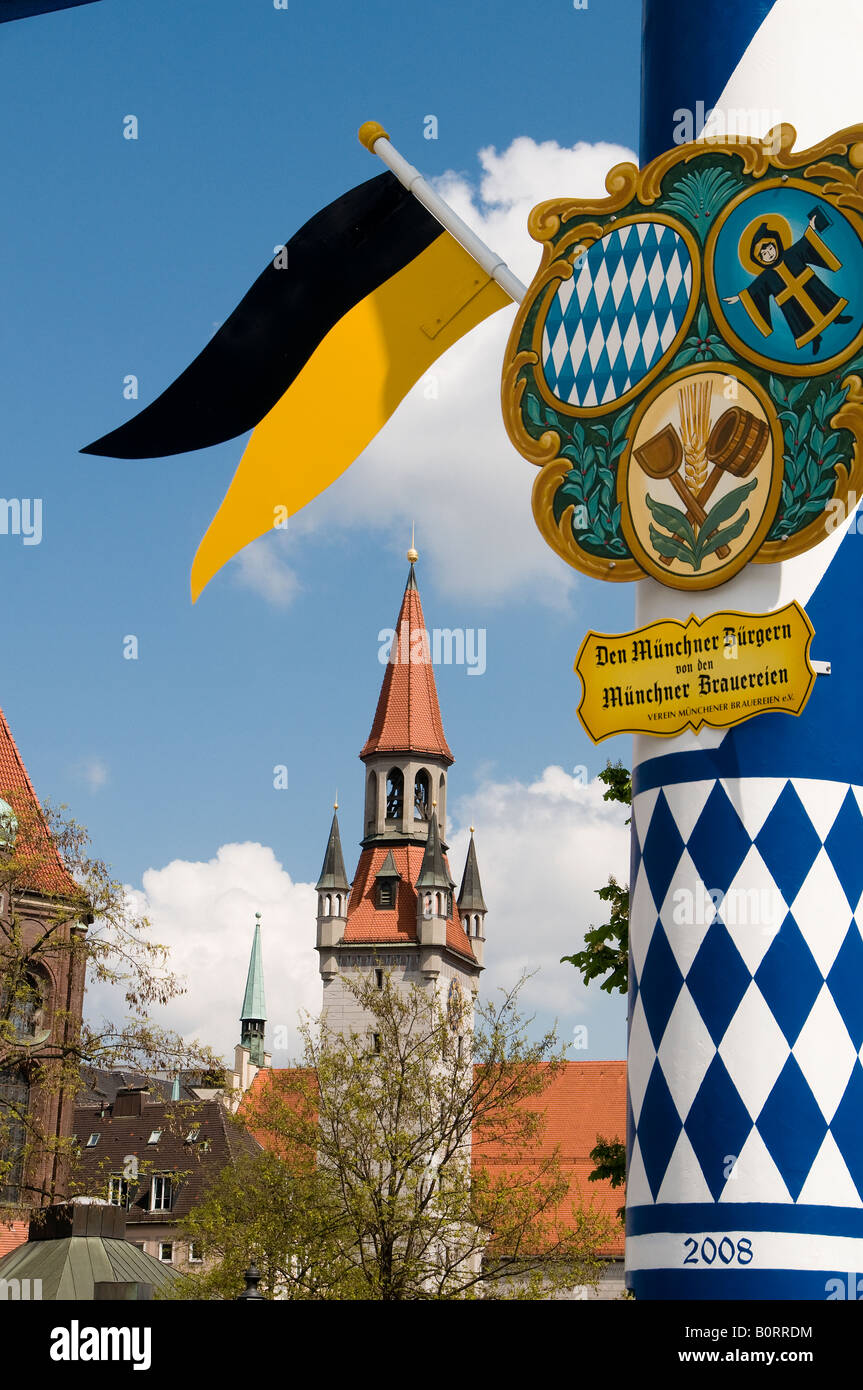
column 693, row 402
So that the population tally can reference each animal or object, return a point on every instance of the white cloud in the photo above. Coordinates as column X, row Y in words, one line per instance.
column 543, row 848
column 444, row 458
column 93, row 772
column 205, row 914
column 262, row 569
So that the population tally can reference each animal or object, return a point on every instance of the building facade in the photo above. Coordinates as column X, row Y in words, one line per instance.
column 42, row 966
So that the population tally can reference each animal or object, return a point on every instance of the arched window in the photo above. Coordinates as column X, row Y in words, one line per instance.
column 22, row 1010
column 422, row 796
column 395, row 794
column 14, row 1104
column 371, row 800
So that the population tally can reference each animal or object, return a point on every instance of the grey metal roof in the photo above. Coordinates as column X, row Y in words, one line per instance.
column 333, row 874
column 470, row 898
column 69, row 1268
column 433, row 872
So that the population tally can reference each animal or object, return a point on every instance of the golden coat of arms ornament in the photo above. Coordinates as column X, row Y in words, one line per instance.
column 686, row 369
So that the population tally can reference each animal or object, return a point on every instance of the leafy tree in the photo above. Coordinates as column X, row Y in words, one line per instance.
column 404, row 1161
column 609, row 1155
column 64, row 917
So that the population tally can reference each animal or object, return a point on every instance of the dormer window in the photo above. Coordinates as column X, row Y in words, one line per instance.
column 92, row 1141
column 160, row 1192
column 387, row 879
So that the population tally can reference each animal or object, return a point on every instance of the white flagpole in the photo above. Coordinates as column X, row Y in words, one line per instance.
column 376, row 139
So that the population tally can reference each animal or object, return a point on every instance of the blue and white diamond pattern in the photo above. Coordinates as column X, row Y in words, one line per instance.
column 620, row 311
column 746, row 1030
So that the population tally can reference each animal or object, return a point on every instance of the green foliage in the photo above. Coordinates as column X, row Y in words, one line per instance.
column 410, row 1169
column 590, row 485
column 683, row 544
column 609, row 1156
column 698, row 195
column 703, row 345
column 812, row 450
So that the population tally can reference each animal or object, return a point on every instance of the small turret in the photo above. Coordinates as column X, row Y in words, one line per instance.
column 471, row 903
column 434, row 902
column 333, row 892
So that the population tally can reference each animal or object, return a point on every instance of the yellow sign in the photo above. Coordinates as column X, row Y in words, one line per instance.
column 718, row 670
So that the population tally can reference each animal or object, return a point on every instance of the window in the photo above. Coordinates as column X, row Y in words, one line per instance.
column 386, row 893
column 395, row 794
column 118, row 1191
column 92, row 1141
column 22, row 1008
column 422, row 796
column 195, row 1252
column 459, row 1053
column 192, row 1136
column 166, row 1252
column 155, row 1136
column 376, row 1043
column 14, row 1104
column 379, row 979
column 160, row 1192
column 449, row 904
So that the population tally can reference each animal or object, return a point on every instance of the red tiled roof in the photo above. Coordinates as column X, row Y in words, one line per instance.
column 367, row 923
column 407, row 719
column 12, row 1234
column 48, row 874
column 586, row 1100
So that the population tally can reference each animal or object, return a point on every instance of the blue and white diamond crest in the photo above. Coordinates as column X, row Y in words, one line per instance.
column 618, row 315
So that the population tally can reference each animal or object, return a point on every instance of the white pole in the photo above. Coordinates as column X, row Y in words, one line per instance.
column 376, row 139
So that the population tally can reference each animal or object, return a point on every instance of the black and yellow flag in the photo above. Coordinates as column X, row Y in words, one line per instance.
column 23, row 9
column 315, row 358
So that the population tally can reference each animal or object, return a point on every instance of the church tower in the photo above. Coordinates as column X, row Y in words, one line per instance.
column 401, row 914
column 43, row 926
column 249, row 1054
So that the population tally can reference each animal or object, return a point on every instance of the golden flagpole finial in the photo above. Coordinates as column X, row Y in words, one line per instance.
column 412, row 553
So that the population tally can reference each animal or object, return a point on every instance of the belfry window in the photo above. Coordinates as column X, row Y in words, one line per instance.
column 422, row 796
column 395, row 794
column 386, row 893
column 14, row 1104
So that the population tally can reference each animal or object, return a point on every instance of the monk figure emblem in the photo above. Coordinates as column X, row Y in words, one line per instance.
column 784, row 272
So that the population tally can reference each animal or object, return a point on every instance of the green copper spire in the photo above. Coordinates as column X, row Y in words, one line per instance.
column 175, row 1089
column 254, row 1014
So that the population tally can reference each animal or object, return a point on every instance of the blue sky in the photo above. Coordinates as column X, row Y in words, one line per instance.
column 121, row 256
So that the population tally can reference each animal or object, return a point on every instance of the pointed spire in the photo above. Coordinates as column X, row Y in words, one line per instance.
column 333, row 874
column 470, row 898
column 254, row 1004
column 433, row 873
column 408, row 719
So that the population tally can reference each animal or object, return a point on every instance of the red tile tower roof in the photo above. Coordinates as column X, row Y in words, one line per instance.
column 407, row 719
column 48, row 874
column 368, row 923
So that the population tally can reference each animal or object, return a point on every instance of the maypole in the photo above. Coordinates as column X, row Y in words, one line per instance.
column 746, row 969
